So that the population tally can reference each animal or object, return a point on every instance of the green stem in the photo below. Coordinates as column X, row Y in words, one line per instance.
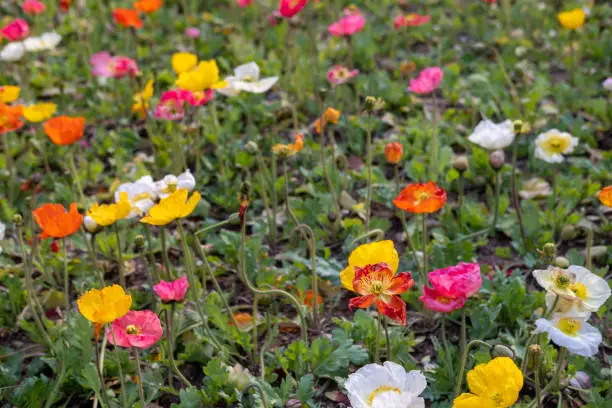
column 66, row 285
column 546, row 315
column 164, row 249
column 589, row 246
column 10, row 167
column 463, row 332
column 274, row 195
column 424, row 229
column 308, row 233
column 464, row 362
column 402, row 216
column 435, row 144
column 286, row 191
column 554, row 382
column 75, row 175
column 498, row 184
column 99, row 368
column 264, row 198
column 58, row 383
column 515, row 198
column 229, row 220
column 118, row 358
column 169, row 319
column 368, row 204
column 255, row 336
column 536, row 376
column 377, row 341
column 378, row 233
column 262, row 395
column 91, row 248
column 139, row 373
column 119, row 255
column 387, row 341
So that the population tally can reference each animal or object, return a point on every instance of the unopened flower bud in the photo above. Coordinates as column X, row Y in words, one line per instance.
column 518, row 126
column 460, row 163
column 499, row 350
column 373, row 104
column 238, row 376
column 562, row 262
column 90, row 225
column 293, row 403
column 139, row 241
column 234, row 218
column 341, row 162
column 569, row 232
column 581, row 380
column 534, row 356
column 251, row 147
column 497, row 159
column 549, row 250
column 332, row 217
column 394, row 152
column 17, row 219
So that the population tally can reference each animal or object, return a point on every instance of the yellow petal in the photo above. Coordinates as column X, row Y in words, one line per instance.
column 39, row 112
column 472, row 401
column 190, row 205
column 369, row 254
column 9, row 93
column 183, row 62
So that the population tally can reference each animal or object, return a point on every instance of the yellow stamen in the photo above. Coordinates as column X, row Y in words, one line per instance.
column 380, row 390
column 131, row 329
column 580, row 290
column 569, row 326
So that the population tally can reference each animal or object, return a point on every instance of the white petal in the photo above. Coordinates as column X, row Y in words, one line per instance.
column 12, row 52
column 493, row 136
column 230, row 89
column 90, row 224
column 51, row 39
column 33, row 44
column 186, row 180
column 544, row 278
column 256, row 87
column 554, row 158
column 585, row 343
column 247, row 71
column 598, row 290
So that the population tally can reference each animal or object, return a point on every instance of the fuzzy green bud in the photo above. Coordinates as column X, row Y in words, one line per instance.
column 139, row 241
column 17, row 219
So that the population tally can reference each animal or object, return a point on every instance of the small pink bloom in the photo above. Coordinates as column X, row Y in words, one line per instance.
column 192, row 32
column 173, row 291
column 139, row 329
column 16, row 30
column 338, row 75
column 200, row 98
column 451, row 287
column 427, row 82
column 243, row 3
column 104, row 65
column 289, row 8
column 33, row 7
column 410, row 20
column 171, row 105
column 351, row 23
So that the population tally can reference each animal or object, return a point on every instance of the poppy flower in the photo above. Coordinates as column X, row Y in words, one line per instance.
column 127, row 18
column 173, row 291
column 243, row 3
column 173, row 207
column 56, row 222
column 421, row 198
column 331, row 115
column 65, row 5
column 376, row 284
column 9, row 93
column 394, row 152
column 351, row 23
column 410, row 20
column 10, row 118
column 16, row 30
column 200, row 98
column 170, row 183
column 204, row 76
column 171, row 105
column 369, row 254
column 244, row 320
column 572, row 19
column 571, row 332
column 308, row 299
column 338, row 75
column 552, row 145
column 605, row 196
column 33, row 7
column 247, row 78
column 39, row 112
column 140, row 329
column 451, row 287
column 428, row 81
column 108, row 214
column 46, row 42
column 287, row 150
column 289, row 8
column 142, row 98
column 105, row 65
column 183, row 62
column 148, row 6
column 64, row 130
column 104, row 305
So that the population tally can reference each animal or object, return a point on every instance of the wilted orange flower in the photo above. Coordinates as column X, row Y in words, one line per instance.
column 10, row 118
column 148, row 6
column 127, row 18
column 244, row 320
column 605, row 196
column 394, row 152
column 291, row 148
column 56, row 222
column 331, row 116
column 421, row 198
column 65, row 130
column 308, row 298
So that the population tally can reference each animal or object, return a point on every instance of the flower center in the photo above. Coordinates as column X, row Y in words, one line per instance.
column 556, row 144
column 580, row 290
column 569, row 326
column 141, row 196
column 422, row 196
column 132, row 329
column 444, row 300
column 498, row 399
column 377, row 287
column 380, row 390
column 561, row 280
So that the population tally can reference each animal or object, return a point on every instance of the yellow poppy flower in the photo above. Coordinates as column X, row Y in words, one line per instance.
column 108, row 214
column 369, row 254
column 9, row 93
column 183, row 62
column 39, row 112
column 205, row 76
column 287, row 150
column 106, row 305
column 173, row 207
column 141, row 99
column 495, row 384
column 572, row 19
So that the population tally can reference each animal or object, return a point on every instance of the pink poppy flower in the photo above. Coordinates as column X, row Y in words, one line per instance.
column 173, row 291
column 140, row 329
column 451, row 287
column 33, row 7
column 16, row 30
column 351, row 23
column 243, row 3
column 104, row 65
column 200, row 98
column 192, row 32
column 410, row 20
column 172, row 104
column 289, row 8
column 427, row 82
column 338, row 75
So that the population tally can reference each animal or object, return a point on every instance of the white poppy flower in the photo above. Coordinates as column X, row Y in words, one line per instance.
column 386, row 386
column 493, row 136
column 12, row 52
column 246, row 78
column 575, row 334
column 142, row 194
column 553, row 144
column 90, row 224
column 575, row 284
column 47, row 41
column 171, row 183
column 607, row 84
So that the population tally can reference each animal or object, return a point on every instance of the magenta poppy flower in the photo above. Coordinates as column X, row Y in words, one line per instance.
column 351, row 23
column 243, row 3
column 173, row 291
column 338, row 75
column 171, row 105
column 200, row 98
column 33, row 7
column 105, row 65
column 140, row 329
column 451, row 287
column 410, row 20
column 429, row 79
column 16, row 30
column 289, row 8
column 192, row 32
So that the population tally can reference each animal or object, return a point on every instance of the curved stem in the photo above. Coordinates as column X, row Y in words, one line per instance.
column 286, row 191
column 306, row 230
column 119, row 255
column 230, row 219
column 66, row 284
column 515, row 198
column 464, row 362
column 378, row 233
column 139, row 373
column 256, row 386
column 169, row 318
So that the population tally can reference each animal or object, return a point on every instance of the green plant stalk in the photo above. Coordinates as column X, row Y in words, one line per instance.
column 368, row 204
column 216, row 225
column 262, row 353
column 530, row 339
column 435, row 143
column 119, row 255
column 118, row 358
column 515, row 197
column 66, row 285
column 402, row 216
column 536, row 377
column 10, row 167
column 460, row 199
column 274, row 195
column 330, row 184
column 424, row 229
column 286, row 192
column 498, row 184
column 378, row 233
column 91, row 248
column 377, row 342
column 170, row 341
column 58, row 383
column 164, row 250
column 463, row 332
column 554, row 382
column 277, row 292
column 75, row 175
column 387, row 341
column 464, row 362
column 264, row 198
column 589, row 246
column 99, row 369
column 139, row 373
column 307, row 232
column 449, row 360
column 264, row 399
column 150, row 256
column 255, row 335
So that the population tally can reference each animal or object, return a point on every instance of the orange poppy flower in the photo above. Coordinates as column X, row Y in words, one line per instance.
column 331, row 115
column 127, row 18
column 244, row 320
column 421, row 198
column 394, row 152
column 56, row 222
column 148, row 6
column 605, row 196
column 10, row 118
column 308, row 297
column 65, row 130
column 289, row 149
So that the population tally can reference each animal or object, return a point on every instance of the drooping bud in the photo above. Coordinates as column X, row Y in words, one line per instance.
column 460, row 163
column 581, row 380
column 497, row 159
column 499, row 350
